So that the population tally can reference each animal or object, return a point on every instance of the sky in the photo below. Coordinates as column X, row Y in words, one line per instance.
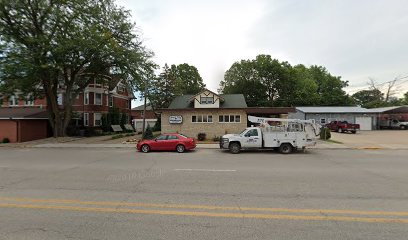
column 356, row 40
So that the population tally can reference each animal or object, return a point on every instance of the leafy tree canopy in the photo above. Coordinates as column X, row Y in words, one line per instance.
column 173, row 81
column 269, row 82
column 50, row 45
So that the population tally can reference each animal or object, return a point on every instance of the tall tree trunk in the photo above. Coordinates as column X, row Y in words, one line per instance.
column 54, row 111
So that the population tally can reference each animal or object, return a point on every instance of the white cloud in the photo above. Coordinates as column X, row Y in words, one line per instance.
column 353, row 39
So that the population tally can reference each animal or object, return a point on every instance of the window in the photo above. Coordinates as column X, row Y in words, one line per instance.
column 98, row 99
column 29, row 101
column 13, row 101
column 252, row 133
column 86, row 119
column 97, row 119
column 323, row 120
column 206, row 100
column 161, row 137
column 86, row 98
column 172, row 137
column 202, row 118
column 229, row 118
column 110, row 101
column 142, row 113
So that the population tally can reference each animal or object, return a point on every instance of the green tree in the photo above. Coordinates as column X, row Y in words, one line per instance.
column 330, row 88
column 161, row 92
column 242, row 78
column 188, row 79
column 49, row 45
column 369, row 98
column 174, row 81
column 268, row 82
column 405, row 99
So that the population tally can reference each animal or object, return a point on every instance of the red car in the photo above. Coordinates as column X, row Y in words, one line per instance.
column 169, row 142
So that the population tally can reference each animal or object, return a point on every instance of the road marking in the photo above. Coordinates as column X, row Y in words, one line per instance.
column 205, row 170
column 205, row 207
column 209, row 214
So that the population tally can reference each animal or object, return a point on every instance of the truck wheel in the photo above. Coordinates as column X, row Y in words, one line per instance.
column 234, row 148
column 340, row 130
column 403, row 127
column 285, row 148
column 354, row 131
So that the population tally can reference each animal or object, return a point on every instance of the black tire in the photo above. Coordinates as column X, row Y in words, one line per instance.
column 234, row 148
column 340, row 130
column 403, row 127
column 180, row 148
column 353, row 132
column 145, row 148
column 286, row 148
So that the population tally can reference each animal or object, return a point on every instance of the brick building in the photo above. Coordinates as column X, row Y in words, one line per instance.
column 137, row 117
column 88, row 107
column 23, row 124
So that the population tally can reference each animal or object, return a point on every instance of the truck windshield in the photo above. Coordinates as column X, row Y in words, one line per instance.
column 242, row 133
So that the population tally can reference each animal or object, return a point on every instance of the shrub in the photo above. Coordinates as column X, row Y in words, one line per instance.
column 201, row 136
column 157, row 125
column 6, row 140
column 325, row 133
column 148, row 134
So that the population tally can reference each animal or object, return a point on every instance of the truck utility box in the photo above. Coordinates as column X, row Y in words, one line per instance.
column 284, row 135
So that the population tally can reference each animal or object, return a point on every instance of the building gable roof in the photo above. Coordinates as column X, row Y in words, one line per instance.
column 141, row 107
column 23, row 113
column 230, row 101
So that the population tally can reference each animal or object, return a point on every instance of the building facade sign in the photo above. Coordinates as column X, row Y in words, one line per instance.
column 175, row 119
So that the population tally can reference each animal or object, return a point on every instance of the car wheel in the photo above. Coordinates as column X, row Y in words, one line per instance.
column 145, row 148
column 285, row 148
column 234, row 148
column 403, row 127
column 180, row 148
column 353, row 132
column 340, row 130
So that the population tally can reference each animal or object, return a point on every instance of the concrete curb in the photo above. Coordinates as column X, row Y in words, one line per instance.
column 199, row 146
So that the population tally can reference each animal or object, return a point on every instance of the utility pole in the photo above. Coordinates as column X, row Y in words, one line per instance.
column 144, row 114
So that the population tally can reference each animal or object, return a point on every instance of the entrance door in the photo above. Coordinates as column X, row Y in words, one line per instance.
column 366, row 123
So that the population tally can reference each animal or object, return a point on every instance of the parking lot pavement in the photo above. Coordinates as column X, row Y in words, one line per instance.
column 389, row 139
column 101, row 193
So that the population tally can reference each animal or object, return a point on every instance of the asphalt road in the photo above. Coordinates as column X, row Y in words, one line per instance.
column 206, row 194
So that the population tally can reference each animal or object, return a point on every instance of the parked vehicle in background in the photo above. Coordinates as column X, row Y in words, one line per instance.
column 167, row 142
column 393, row 124
column 343, row 126
column 284, row 135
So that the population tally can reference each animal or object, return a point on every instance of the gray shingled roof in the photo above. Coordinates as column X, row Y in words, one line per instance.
column 23, row 113
column 230, row 101
column 141, row 107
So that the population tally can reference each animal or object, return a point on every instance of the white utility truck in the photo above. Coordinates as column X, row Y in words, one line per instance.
column 285, row 135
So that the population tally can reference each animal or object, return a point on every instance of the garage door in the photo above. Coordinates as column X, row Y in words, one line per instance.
column 366, row 123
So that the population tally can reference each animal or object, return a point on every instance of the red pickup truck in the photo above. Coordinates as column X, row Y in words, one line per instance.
column 343, row 126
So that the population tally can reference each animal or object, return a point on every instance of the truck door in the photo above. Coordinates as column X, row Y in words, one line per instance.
column 252, row 139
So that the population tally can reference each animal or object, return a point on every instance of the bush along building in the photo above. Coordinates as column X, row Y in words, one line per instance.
column 95, row 109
